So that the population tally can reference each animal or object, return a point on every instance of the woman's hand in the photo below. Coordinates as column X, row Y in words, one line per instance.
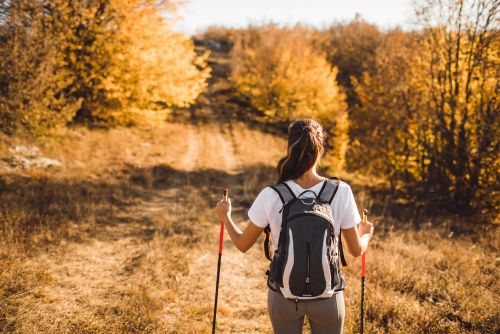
column 365, row 228
column 357, row 238
column 223, row 209
column 242, row 240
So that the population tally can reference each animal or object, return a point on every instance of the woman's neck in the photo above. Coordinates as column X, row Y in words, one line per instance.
column 309, row 178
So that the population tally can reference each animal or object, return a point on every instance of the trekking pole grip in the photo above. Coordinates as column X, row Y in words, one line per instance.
column 363, row 263
column 221, row 236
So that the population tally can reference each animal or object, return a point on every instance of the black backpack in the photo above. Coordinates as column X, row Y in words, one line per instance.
column 305, row 265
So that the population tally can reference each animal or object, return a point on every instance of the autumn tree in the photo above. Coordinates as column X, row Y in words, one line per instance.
column 36, row 85
column 108, row 60
column 352, row 47
column 383, row 142
column 434, row 108
column 284, row 77
column 152, row 66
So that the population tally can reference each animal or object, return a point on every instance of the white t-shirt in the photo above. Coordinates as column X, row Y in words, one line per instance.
column 266, row 208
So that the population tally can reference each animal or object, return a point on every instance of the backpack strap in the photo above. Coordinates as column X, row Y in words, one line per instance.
column 307, row 191
column 327, row 193
column 329, row 189
column 267, row 251
column 284, row 191
column 341, row 250
column 286, row 195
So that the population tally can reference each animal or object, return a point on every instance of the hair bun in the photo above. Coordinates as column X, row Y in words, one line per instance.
column 308, row 130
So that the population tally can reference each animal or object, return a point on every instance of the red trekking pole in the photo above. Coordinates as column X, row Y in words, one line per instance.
column 362, row 316
column 221, row 239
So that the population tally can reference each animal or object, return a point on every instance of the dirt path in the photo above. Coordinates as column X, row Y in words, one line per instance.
column 242, row 299
column 124, row 272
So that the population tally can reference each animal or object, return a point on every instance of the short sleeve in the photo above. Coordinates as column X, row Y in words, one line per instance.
column 259, row 211
column 349, row 215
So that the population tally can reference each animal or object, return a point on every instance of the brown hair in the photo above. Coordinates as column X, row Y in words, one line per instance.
column 305, row 143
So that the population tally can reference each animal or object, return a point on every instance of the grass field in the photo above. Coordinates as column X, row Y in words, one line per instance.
column 121, row 238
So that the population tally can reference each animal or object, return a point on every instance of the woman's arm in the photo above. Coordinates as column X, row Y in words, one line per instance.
column 357, row 238
column 242, row 240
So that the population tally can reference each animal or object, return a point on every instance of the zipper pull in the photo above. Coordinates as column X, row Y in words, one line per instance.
column 296, row 306
column 281, row 210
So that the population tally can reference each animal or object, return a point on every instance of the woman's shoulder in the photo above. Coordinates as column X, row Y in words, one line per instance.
column 268, row 192
column 343, row 184
column 266, row 198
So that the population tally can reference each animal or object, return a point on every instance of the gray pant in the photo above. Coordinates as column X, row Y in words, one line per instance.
column 325, row 316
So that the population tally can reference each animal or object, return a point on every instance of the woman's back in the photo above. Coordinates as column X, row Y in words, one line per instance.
column 265, row 210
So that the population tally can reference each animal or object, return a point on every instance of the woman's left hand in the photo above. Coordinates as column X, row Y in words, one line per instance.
column 223, row 209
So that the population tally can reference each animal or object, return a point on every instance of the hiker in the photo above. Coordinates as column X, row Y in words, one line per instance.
column 307, row 214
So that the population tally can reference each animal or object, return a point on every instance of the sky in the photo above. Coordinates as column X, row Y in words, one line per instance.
column 199, row 14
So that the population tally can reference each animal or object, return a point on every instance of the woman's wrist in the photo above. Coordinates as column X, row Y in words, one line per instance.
column 364, row 238
column 227, row 218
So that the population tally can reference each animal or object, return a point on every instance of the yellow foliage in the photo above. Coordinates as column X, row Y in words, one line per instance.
column 428, row 111
column 286, row 78
column 152, row 63
column 103, row 59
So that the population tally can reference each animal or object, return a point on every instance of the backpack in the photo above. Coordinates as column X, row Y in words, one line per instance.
column 305, row 264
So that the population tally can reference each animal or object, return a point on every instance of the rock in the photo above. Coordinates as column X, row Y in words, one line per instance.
column 25, row 151
column 42, row 162
column 29, row 157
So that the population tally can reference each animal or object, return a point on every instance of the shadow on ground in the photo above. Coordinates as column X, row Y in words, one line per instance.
column 44, row 209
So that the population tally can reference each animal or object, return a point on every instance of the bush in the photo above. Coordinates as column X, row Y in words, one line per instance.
column 285, row 78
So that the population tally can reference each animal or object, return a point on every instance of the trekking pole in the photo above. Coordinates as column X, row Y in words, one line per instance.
column 221, row 239
column 362, row 316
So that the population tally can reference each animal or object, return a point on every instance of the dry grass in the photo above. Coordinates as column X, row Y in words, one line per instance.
column 122, row 239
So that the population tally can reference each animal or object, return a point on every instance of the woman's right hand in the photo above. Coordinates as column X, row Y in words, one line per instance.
column 365, row 228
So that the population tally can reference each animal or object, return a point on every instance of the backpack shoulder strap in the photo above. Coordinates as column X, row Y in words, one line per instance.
column 329, row 189
column 327, row 193
column 286, row 194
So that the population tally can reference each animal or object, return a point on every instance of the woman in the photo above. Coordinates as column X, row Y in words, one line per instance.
column 299, row 170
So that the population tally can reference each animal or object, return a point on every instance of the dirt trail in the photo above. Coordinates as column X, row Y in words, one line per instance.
column 151, row 271
column 99, row 273
column 242, row 299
